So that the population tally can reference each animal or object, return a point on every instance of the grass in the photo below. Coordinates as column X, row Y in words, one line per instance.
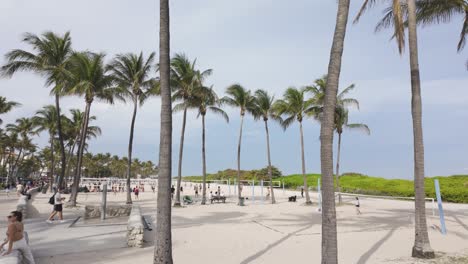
column 453, row 188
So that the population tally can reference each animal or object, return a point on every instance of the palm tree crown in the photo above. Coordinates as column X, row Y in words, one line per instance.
column 6, row 106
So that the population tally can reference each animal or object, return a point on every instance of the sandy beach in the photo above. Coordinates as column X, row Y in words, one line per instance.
column 256, row 233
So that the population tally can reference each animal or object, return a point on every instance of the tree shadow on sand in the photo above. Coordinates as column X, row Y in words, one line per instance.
column 274, row 244
column 365, row 257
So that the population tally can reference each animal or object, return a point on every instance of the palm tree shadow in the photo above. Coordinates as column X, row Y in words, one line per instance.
column 269, row 247
column 365, row 257
column 460, row 222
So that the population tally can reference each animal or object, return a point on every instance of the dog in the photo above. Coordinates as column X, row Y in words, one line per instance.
column 292, row 198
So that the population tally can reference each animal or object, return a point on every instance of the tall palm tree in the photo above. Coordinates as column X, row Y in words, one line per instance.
column 341, row 122
column 25, row 128
column 432, row 12
column 422, row 247
column 131, row 72
column 342, row 103
column 238, row 96
column 50, row 56
column 90, row 80
column 207, row 100
column 295, row 106
column 329, row 236
column 163, row 240
column 6, row 106
column 264, row 109
column 185, row 78
column 72, row 130
column 45, row 120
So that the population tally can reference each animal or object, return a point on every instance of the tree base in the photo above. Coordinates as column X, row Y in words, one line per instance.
column 176, row 204
column 308, row 203
column 423, row 253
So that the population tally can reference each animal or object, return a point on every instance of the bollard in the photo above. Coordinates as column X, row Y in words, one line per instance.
column 441, row 210
column 283, row 187
column 261, row 190
column 103, row 202
column 229, row 187
column 253, row 191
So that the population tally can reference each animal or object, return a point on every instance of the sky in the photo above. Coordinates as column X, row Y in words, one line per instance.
column 261, row 44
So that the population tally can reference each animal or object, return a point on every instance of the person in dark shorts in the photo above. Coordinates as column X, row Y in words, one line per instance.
column 357, row 204
column 172, row 192
column 136, row 191
column 58, row 207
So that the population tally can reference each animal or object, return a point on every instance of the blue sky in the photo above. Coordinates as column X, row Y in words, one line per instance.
column 262, row 45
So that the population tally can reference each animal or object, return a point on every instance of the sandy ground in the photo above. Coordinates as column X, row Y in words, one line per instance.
column 256, row 233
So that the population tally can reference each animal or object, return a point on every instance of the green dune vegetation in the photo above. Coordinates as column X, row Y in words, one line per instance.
column 454, row 188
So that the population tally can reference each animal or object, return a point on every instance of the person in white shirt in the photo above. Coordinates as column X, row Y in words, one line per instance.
column 19, row 189
column 58, row 207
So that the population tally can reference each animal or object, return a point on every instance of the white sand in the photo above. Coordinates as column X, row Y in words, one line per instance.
column 257, row 233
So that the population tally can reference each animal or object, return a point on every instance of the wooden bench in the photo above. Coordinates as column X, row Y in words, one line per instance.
column 218, row 199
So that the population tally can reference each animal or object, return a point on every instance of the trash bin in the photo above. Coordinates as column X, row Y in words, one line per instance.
column 241, row 201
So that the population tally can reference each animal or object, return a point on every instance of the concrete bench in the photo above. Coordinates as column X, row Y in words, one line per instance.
column 15, row 256
column 12, row 258
column 135, row 228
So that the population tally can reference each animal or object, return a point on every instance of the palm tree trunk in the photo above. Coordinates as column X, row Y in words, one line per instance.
column 270, row 176
column 306, row 188
column 15, row 165
column 76, row 179
column 422, row 247
column 62, row 146
column 181, row 154
column 52, row 161
column 337, row 175
column 203, row 160
column 70, row 157
column 163, row 239
column 329, row 236
column 130, row 146
column 239, row 189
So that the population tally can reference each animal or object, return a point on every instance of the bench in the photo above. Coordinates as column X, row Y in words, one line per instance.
column 218, row 199
column 15, row 256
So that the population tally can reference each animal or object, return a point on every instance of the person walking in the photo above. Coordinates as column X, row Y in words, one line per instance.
column 302, row 192
column 15, row 238
column 136, row 191
column 172, row 192
column 357, row 204
column 196, row 190
column 58, row 208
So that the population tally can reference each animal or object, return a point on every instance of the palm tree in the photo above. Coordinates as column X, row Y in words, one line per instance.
column 264, row 109
column 6, row 106
column 131, row 72
column 163, row 240
column 341, row 122
column 185, row 78
column 432, row 12
column 329, row 236
column 88, row 79
column 238, row 96
column 50, row 60
column 341, row 114
column 72, row 130
column 45, row 120
column 207, row 100
column 25, row 128
column 422, row 247
column 295, row 106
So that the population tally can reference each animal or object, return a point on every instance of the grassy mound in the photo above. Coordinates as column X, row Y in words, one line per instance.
column 454, row 188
